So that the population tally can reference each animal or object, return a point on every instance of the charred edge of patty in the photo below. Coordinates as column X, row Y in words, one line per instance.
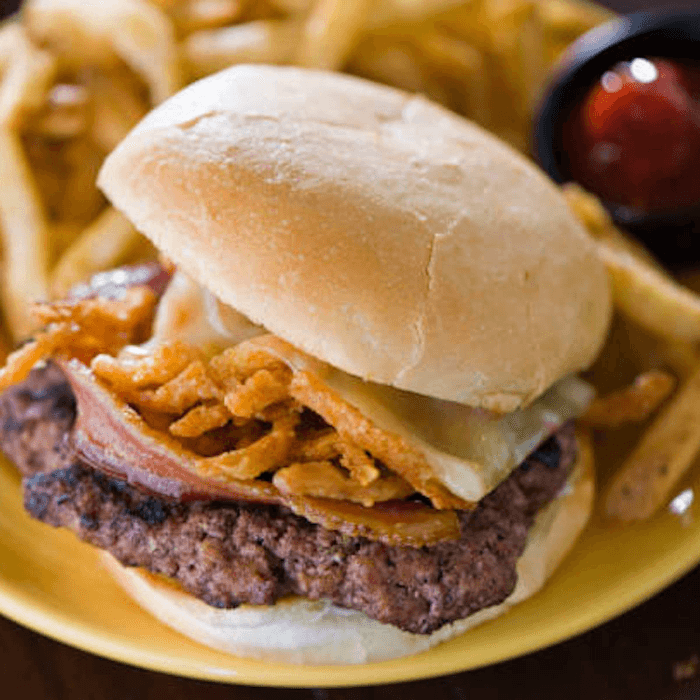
column 229, row 553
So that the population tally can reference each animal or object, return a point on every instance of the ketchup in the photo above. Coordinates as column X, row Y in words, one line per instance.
column 635, row 138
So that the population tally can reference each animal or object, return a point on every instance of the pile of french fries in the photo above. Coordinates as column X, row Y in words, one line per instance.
column 77, row 75
column 666, row 317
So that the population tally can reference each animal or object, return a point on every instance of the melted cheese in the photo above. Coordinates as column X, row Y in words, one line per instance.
column 189, row 313
column 470, row 450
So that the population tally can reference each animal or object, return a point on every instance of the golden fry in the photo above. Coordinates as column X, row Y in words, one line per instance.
column 97, row 32
column 115, row 115
column 593, row 215
column 568, row 19
column 389, row 13
column 588, row 210
column 393, row 63
column 196, row 15
column 28, row 73
column 517, row 35
column 25, row 237
column 331, row 32
column 448, row 54
column 293, row 6
column 633, row 403
column 641, row 288
column 62, row 123
column 262, row 41
column 651, row 297
column 103, row 245
column 665, row 452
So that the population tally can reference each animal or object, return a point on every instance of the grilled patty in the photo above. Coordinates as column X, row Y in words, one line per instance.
column 233, row 553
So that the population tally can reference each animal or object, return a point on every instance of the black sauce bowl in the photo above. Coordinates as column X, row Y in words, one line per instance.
column 674, row 236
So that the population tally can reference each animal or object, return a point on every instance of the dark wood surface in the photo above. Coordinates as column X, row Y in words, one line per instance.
column 650, row 653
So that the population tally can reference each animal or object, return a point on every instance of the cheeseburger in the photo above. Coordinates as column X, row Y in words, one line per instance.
column 336, row 423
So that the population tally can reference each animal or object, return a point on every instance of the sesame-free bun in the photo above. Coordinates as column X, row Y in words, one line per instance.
column 371, row 228
column 296, row 630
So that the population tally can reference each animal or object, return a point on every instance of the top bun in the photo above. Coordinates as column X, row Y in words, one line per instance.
column 370, row 228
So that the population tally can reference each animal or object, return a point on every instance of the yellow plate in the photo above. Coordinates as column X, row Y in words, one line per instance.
column 52, row 583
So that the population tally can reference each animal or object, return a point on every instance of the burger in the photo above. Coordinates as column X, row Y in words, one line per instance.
column 335, row 422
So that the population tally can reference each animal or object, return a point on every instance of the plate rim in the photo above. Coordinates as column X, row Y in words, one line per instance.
column 53, row 624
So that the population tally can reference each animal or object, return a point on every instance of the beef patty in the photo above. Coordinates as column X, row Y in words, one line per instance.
column 233, row 553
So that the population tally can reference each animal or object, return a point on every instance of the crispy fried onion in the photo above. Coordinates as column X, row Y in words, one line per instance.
column 247, row 394
column 113, row 437
column 632, row 403
column 82, row 328
column 347, row 459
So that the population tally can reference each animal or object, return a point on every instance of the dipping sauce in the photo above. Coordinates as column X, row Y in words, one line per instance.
column 635, row 138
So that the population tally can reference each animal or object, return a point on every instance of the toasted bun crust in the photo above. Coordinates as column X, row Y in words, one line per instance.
column 370, row 228
column 297, row 630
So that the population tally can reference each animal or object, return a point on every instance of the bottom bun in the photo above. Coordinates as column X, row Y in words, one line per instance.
column 297, row 630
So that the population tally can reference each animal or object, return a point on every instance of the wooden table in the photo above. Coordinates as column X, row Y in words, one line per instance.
column 650, row 653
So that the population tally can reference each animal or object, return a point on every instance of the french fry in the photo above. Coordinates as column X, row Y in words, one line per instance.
column 100, row 31
column 593, row 215
column 389, row 13
column 462, row 65
column 467, row 21
column 206, row 14
column 61, row 236
column 293, row 7
column 28, row 73
column 665, row 452
column 633, row 403
column 65, row 173
column 568, row 19
column 652, row 298
column 448, row 54
column 395, row 64
column 117, row 108
column 104, row 244
column 264, row 41
column 65, row 113
column 518, row 41
column 24, row 235
column 641, row 288
column 628, row 342
column 331, row 32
